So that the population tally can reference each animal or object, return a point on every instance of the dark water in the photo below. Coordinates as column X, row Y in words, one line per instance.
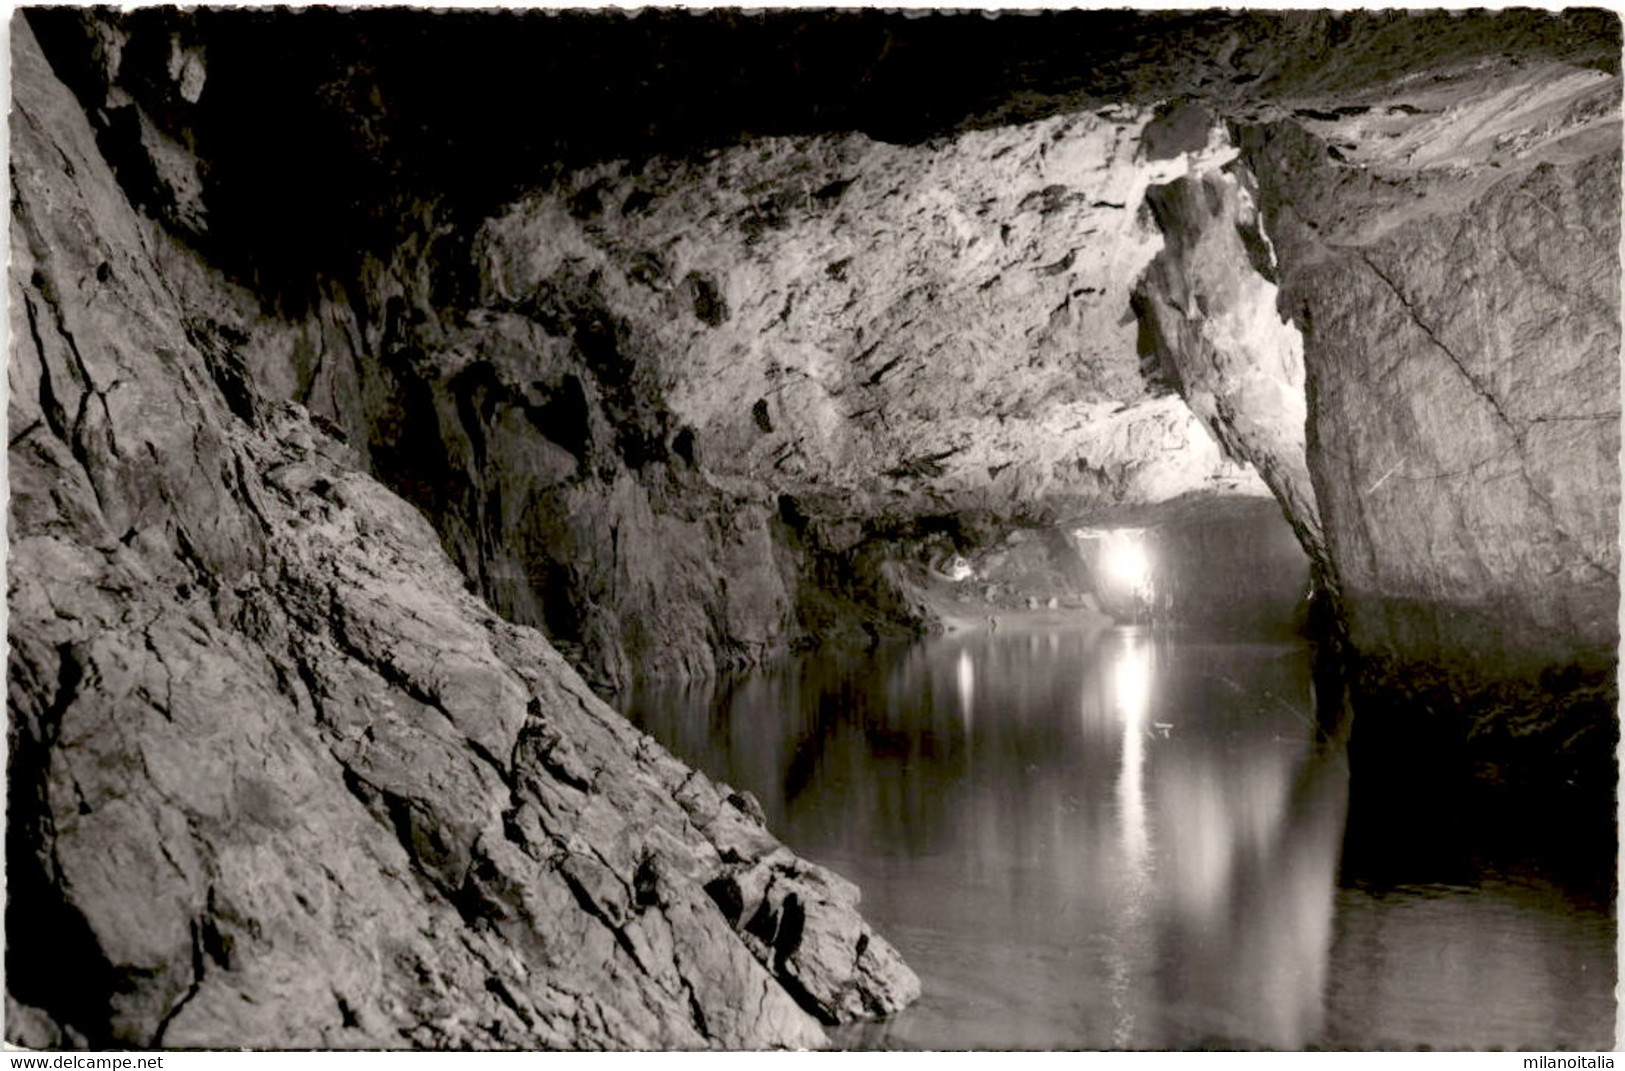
column 1120, row 840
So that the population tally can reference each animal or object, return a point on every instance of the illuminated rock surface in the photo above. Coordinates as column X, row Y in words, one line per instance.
column 716, row 374
column 277, row 779
column 1462, row 359
column 688, row 396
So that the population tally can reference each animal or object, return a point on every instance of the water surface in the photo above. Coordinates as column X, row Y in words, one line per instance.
column 1114, row 839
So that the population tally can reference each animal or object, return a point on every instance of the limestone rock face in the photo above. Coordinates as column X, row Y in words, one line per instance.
column 883, row 330
column 861, row 333
column 685, row 411
column 1459, row 296
column 276, row 779
column 1448, row 249
column 1208, row 302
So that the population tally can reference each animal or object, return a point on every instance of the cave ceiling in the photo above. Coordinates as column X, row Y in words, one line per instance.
column 318, row 124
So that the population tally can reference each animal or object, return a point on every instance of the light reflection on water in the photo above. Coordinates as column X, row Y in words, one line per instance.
column 1114, row 840
column 1131, row 676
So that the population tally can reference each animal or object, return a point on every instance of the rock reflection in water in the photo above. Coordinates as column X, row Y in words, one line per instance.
column 1078, row 839
column 1090, row 840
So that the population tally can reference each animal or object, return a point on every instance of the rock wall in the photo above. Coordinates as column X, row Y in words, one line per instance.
column 1452, row 258
column 869, row 334
column 1448, row 249
column 276, row 779
column 1208, row 306
column 1465, row 403
column 680, row 414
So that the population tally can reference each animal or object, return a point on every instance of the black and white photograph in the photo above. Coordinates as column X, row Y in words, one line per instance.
column 786, row 528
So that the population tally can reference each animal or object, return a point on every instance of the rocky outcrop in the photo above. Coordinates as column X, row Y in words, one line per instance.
column 1461, row 329
column 1208, row 304
column 1448, row 251
column 1452, row 258
column 865, row 334
column 276, row 778
column 690, row 409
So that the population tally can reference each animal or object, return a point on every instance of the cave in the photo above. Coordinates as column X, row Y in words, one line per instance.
column 788, row 529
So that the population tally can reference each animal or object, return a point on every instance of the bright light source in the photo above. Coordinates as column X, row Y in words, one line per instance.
column 1126, row 559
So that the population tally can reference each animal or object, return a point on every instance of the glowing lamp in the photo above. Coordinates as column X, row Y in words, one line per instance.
column 1126, row 560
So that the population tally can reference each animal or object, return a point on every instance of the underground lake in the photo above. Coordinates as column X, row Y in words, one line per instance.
column 1138, row 835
